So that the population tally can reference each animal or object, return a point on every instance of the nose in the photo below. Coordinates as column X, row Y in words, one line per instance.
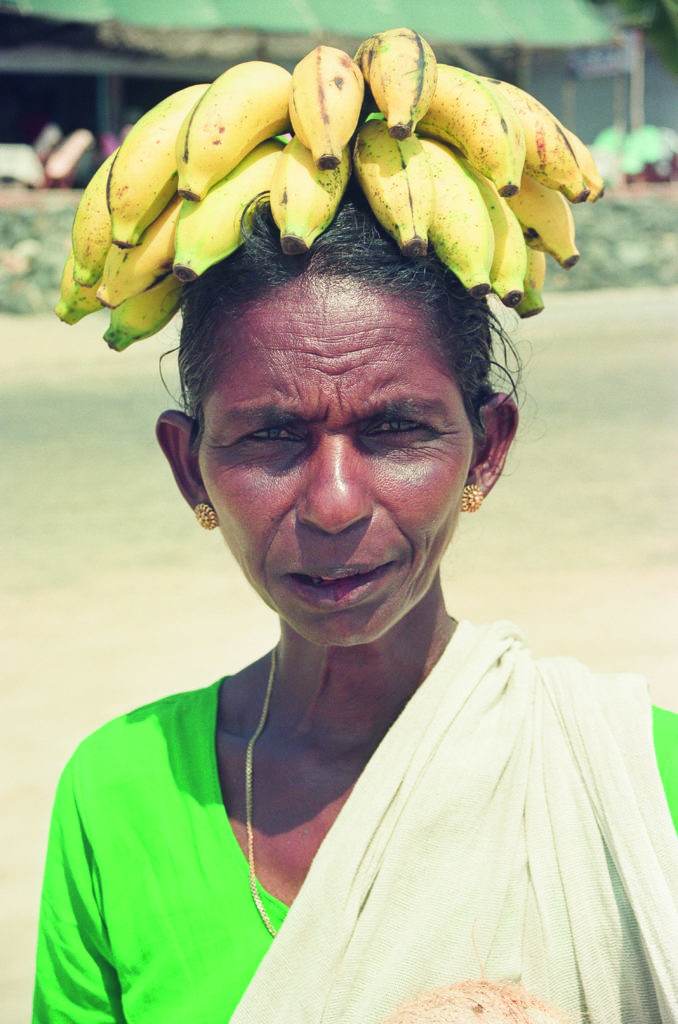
column 335, row 492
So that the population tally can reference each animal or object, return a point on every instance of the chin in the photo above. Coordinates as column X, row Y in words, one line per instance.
column 342, row 629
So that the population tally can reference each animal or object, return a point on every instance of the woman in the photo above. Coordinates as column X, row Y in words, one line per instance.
column 427, row 802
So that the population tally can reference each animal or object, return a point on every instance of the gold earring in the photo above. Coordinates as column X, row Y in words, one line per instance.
column 471, row 498
column 206, row 516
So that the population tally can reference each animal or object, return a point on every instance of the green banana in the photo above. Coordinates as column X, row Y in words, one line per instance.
column 480, row 123
column 91, row 232
column 532, row 301
column 143, row 315
column 210, row 230
column 246, row 105
column 461, row 230
column 129, row 272
column 326, row 96
column 395, row 178
column 75, row 300
column 304, row 199
column 143, row 177
column 401, row 70
column 547, row 221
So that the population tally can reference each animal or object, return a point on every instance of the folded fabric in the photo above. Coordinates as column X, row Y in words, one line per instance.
column 511, row 825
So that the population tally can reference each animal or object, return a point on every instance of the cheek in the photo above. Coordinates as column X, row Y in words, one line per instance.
column 423, row 495
column 416, row 496
column 423, row 502
column 249, row 504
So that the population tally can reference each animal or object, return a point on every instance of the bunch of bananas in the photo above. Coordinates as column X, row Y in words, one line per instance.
column 473, row 166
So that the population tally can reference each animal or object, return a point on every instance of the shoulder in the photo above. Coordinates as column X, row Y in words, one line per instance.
column 612, row 690
column 137, row 743
column 619, row 701
column 609, row 707
column 581, row 698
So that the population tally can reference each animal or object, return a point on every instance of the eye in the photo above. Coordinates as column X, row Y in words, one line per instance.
column 276, row 431
column 398, row 429
column 393, row 426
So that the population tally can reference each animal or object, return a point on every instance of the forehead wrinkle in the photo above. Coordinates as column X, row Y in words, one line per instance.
column 379, row 333
column 334, row 366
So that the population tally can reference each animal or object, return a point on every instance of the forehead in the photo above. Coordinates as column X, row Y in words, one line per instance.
column 328, row 341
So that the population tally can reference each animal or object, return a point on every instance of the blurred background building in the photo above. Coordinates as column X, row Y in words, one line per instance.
column 99, row 65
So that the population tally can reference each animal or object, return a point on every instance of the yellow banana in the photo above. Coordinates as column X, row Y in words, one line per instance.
column 129, row 272
column 532, row 301
column 304, row 200
column 480, row 123
column 143, row 177
column 210, row 230
column 461, row 230
column 326, row 95
column 91, row 232
column 241, row 108
column 143, row 315
column 547, row 220
column 75, row 300
column 509, row 264
column 401, row 70
column 396, row 180
column 589, row 170
column 549, row 157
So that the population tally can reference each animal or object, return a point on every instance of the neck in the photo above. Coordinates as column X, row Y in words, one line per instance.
column 340, row 701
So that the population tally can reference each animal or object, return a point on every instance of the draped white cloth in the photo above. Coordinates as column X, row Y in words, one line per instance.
column 511, row 825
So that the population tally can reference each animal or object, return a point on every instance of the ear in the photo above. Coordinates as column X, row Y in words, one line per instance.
column 174, row 431
column 500, row 418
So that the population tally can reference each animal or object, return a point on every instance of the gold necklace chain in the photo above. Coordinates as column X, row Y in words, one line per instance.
column 248, row 797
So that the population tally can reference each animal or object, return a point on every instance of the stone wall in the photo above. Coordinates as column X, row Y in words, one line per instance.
column 624, row 240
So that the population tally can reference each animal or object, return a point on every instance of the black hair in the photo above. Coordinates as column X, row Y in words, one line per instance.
column 356, row 246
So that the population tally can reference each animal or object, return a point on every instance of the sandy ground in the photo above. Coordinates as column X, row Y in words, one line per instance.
column 114, row 596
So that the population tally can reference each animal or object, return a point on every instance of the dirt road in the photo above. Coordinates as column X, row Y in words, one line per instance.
column 114, row 596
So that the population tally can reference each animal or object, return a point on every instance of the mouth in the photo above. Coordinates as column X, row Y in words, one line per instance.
column 342, row 589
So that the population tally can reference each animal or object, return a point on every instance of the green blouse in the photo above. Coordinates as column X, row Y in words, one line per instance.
column 146, row 914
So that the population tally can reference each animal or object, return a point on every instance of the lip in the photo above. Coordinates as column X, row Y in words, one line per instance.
column 339, row 572
column 345, row 591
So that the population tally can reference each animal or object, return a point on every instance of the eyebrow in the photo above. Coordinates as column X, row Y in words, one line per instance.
column 277, row 415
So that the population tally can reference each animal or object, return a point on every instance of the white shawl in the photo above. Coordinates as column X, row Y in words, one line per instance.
column 511, row 825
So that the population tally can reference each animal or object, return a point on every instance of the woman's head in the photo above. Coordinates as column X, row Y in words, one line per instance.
column 336, row 405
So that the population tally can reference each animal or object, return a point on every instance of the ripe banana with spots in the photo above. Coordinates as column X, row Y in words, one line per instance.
column 532, row 301
column 590, row 172
column 91, row 233
column 129, row 272
column 243, row 107
column 547, row 221
column 143, row 177
column 326, row 95
column 549, row 156
column 304, row 200
column 480, row 123
column 396, row 180
column 401, row 70
column 461, row 230
column 210, row 230
column 143, row 315
column 509, row 263
column 75, row 300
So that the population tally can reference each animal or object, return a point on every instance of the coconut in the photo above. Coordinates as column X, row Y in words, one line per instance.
column 478, row 1002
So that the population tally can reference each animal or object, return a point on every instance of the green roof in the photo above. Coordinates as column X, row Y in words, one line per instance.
column 530, row 23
